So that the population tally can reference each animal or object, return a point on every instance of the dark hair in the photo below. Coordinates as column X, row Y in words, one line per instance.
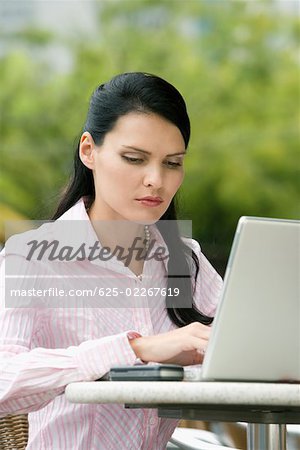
column 144, row 93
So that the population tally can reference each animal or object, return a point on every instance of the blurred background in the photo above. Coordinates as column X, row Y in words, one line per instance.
column 235, row 62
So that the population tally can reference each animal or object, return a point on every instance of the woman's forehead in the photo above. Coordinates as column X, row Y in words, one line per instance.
column 143, row 130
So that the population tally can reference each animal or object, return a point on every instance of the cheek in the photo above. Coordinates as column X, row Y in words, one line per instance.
column 109, row 170
column 113, row 179
column 177, row 181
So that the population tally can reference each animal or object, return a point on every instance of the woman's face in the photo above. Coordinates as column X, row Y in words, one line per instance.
column 138, row 168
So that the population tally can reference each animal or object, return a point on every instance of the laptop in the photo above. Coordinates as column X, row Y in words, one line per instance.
column 256, row 331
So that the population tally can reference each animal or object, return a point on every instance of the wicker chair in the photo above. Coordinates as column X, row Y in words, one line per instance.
column 13, row 432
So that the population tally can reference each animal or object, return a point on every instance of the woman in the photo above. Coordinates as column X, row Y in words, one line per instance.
column 128, row 168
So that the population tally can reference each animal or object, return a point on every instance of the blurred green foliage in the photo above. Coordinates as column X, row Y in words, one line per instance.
column 236, row 64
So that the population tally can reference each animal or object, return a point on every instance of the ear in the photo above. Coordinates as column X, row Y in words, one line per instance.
column 86, row 150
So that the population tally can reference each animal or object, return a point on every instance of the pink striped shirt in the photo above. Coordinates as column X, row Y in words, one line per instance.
column 42, row 349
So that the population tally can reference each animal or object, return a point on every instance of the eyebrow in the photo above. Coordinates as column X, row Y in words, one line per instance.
column 149, row 153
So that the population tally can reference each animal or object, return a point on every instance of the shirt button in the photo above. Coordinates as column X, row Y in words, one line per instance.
column 144, row 331
column 153, row 421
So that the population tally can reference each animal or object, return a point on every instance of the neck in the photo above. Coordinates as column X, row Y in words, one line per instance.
column 112, row 233
column 118, row 233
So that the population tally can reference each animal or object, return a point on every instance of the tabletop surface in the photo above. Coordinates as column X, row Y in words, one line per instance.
column 183, row 392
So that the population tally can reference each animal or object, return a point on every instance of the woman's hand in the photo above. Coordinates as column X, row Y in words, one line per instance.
column 184, row 346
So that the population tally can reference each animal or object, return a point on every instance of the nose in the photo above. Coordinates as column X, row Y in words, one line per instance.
column 153, row 177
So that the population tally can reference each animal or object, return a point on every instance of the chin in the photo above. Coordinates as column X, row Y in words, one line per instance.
column 146, row 217
column 145, row 221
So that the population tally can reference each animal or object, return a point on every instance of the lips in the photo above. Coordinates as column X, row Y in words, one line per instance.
column 150, row 201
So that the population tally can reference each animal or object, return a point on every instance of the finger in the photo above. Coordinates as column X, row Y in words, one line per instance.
column 203, row 334
column 195, row 343
column 200, row 330
column 201, row 351
column 196, row 358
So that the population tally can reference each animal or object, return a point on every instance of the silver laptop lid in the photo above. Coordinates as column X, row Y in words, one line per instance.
column 256, row 331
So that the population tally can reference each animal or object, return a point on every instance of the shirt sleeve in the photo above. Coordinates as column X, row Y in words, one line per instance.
column 31, row 377
column 208, row 285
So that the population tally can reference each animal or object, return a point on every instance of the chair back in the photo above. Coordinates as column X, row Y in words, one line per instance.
column 14, row 432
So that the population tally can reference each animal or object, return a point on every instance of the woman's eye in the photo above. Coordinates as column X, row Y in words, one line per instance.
column 135, row 160
column 173, row 164
column 132, row 160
